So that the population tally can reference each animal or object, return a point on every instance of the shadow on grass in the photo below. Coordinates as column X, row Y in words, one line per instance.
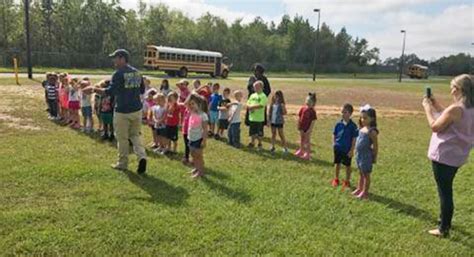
column 159, row 190
column 278, row 142
column 162, row 192
column 412, row 211
column 221, row 189
column 287, row 157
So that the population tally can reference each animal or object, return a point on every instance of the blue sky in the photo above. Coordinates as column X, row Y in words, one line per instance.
column 434, row 27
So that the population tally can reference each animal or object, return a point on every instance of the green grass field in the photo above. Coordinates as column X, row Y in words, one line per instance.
column 59, row 196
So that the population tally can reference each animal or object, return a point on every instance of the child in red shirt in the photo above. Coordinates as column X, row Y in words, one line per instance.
column 307, row 116
column 172, row 119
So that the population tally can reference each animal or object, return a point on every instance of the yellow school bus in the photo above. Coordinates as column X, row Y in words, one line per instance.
column 418, row 71
column 180, row 61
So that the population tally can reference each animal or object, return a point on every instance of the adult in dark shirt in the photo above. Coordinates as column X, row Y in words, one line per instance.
column 258, row 74
column 126, row 86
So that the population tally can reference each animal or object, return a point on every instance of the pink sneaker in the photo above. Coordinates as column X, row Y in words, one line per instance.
column 363, row 196
column 299, row 152
column 356, row 192
column 306, row 156
column 197, row 174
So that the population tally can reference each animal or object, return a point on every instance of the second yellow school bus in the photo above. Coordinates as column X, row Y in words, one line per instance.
column 180, row 61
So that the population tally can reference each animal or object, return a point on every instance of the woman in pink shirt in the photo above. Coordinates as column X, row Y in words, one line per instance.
column 451, row 142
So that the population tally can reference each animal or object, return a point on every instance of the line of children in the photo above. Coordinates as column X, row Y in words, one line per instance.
column 67, row 101
column 199, row 112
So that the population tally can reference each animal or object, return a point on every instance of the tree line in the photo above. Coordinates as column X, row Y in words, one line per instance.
column 80, row 33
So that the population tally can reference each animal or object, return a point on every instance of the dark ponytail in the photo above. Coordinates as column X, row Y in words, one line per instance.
column 372, row 114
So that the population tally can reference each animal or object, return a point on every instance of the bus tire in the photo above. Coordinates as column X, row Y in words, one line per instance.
column 224, row 74
column 183, row 72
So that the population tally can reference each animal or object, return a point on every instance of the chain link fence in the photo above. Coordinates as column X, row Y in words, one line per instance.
column 100, row 61
column 61, row 59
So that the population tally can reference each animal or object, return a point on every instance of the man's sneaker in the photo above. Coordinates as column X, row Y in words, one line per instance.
column 141, row 166
column 335, row 182
column 118, row 167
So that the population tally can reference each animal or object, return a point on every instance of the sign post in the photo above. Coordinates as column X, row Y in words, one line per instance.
column 15, row 69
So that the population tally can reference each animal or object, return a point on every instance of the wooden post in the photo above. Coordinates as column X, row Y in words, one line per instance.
column 15, row 69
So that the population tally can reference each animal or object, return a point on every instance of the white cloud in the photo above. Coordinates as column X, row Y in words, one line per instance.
column 196, row 8
column 379, row 21
column 449, row 32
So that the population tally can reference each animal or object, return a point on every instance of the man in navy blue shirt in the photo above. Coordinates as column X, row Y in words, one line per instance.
column 126, row 86
column 345, row 134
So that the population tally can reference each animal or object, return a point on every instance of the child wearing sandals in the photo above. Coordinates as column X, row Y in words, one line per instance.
column 197, row 132
column 86, row 106
column 74, row 104
column 307, row 117
column 366, row 149
column 64, row 97
column 276, row 118
column 157, row 114
column 233, row 133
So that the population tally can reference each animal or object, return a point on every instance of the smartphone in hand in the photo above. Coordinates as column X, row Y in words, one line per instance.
column 428, row 92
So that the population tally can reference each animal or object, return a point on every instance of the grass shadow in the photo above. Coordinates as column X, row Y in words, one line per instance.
column 415, row 212
column 220, row 188
column 290, row 145
column 159, row 190
column 287, row 157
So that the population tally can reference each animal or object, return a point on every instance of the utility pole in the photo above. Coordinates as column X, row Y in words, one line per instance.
column 316, row 44
column 403, row 54
column 28, row 43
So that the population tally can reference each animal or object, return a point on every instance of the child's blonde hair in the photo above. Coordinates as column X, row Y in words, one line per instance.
column 159, row 96
column 237, row 93
column 172, row 95
column 465, row 83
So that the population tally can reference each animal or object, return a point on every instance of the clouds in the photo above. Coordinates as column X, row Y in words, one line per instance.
column 430, row 33
column 434, row 27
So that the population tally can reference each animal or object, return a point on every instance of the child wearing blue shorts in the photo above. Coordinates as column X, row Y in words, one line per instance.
column 214, row 101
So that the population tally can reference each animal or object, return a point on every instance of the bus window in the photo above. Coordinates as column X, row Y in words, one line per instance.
column 173, row 57
column 211, row 59
column 178, row 57
column 193, row 58
column 162, row 55
column 168, row 56
column 188, row 57
column 206, row 59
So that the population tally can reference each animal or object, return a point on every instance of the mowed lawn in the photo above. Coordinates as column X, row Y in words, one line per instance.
column 59, row 196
